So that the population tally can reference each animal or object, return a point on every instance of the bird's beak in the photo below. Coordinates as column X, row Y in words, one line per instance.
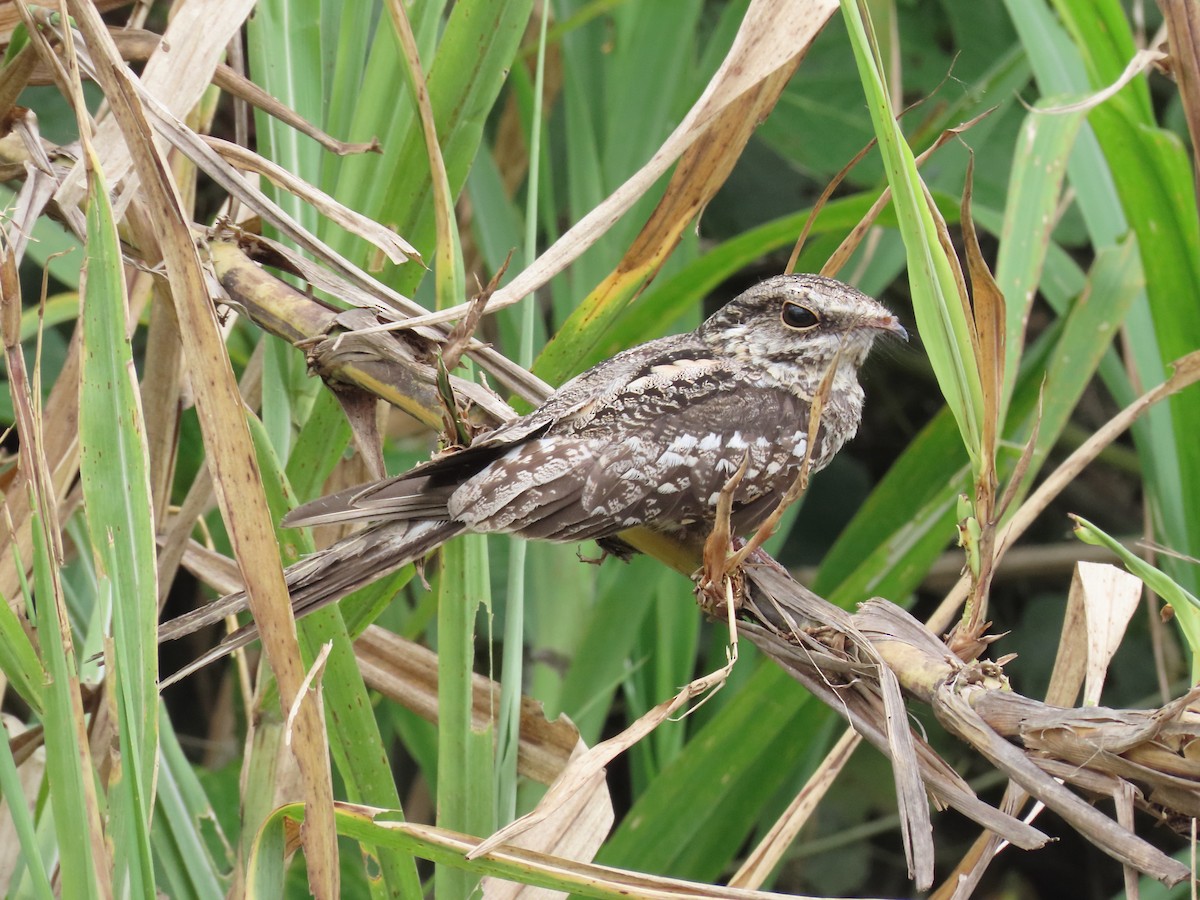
column 890, row 324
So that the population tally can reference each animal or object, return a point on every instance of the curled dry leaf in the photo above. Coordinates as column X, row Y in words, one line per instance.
column 394, row 247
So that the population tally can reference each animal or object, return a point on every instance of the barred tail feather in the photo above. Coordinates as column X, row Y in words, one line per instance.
column 318, row 580
column 402, row 497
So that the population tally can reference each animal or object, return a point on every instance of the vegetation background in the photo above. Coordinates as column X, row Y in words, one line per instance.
column 1087, row 218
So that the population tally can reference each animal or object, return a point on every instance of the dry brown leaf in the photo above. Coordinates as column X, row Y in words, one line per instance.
column 583, row 769
column 236, row 478
column 986, row 313
column 1183, row 37
column 851, row 242
column 621, row 882
column 572, row 830
column 396, row 248
column 406, row 672
column 1101, row 602
column 773, row 34
column 177, row 74
column 955, row 711
column 1142, row 61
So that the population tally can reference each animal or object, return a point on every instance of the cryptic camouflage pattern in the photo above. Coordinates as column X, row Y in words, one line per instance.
column 651, row 436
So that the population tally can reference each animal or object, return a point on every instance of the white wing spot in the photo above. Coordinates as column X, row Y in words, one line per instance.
column 678, row 366
column 710, row 441
column 671, row 458
column 683, row 443
column 736, row 441
column 667, row 488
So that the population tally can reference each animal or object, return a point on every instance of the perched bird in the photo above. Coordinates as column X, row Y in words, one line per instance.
column 647, row 438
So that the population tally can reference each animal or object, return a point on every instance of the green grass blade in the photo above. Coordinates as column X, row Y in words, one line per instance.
column 512, row 672
column 69, row 768
column 1127, row 174
column 113, row 453
column 187, row 865
column 936, row 301
column 318, row 447
column 354, row 739
column 1185, row 605
column 13, row 792
column 19, row 660
column 448, row 849
column 1114, row 283
column 284, row 50
column 465, row 785
column 344, row 87
column 476, row 47
column 1039, row 166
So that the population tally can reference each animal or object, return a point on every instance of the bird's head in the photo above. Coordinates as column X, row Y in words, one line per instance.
column 793, row 328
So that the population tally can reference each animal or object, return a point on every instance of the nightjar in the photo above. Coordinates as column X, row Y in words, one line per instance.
column 647, row 438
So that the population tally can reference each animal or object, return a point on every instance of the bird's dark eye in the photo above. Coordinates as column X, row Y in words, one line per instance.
column 797, row 316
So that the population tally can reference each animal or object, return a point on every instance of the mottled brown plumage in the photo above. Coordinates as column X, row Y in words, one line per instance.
column 646, row 438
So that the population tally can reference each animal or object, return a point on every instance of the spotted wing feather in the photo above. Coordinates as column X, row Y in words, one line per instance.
column 654, row 453
column 672, row 475
column 425, row 490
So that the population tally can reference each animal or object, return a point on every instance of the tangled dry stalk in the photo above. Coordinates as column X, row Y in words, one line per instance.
column 864, row 664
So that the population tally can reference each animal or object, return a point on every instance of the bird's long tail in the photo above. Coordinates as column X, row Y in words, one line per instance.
column 318, row 580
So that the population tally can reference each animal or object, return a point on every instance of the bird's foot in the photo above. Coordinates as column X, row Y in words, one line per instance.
column 591, row 560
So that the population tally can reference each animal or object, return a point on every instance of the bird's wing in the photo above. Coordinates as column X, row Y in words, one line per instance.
column 424, row 490
column 419, row 493
column 658, row 452
column 685, row 451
